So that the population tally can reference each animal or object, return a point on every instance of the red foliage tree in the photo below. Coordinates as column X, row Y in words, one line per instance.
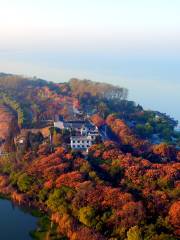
column 97, row 120
column 174, row 216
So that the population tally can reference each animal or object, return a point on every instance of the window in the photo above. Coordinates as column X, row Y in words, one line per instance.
column 78, row 146
column 82, row 146
column 82, row 141
column 78, row 141
column 87, row 141
column 74, row 141
column 74, row 146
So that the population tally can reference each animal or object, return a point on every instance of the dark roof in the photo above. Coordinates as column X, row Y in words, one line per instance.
column 78, row 124
column 81, row 138
column 75, row 121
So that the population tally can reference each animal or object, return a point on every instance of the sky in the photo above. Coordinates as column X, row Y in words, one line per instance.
column 131, row 43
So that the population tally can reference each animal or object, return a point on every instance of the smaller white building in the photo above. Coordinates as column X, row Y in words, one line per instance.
column 59, row 124
column 93, row 133
column 84, row 130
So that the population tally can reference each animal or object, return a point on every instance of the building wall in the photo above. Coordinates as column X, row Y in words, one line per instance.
column 84, row 131
column 79, row 144
column 59, row 125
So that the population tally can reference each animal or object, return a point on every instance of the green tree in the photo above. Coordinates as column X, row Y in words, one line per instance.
column 25, row 182
column 43, row 193
column 59, row 199
column 87, row 216
column 56, row 138
column 134, row 233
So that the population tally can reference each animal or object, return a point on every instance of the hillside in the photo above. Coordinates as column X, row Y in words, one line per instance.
column 126, row 186
column 39, row 100
column 36, row 100
column 8, row 128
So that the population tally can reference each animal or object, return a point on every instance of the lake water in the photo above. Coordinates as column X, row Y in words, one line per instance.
column 15, row 223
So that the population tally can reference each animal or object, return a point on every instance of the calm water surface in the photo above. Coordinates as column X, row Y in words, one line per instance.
column 15, row 223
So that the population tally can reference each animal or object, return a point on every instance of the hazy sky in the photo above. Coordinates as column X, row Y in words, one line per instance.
column 135, row 43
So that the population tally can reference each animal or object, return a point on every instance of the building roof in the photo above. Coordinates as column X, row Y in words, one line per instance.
column 93, row 132
column 80, row 138
column 78, row 124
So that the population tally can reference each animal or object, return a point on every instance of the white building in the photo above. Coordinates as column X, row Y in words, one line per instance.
column 81, row 142
column 85, row 133
column 82, row 126
column 93, row 133
column 73, row 124
column 59, row 124
column 86, row 129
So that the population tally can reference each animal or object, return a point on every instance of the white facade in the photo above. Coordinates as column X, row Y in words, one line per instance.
column 89, row 131
column 81, row 142
column 84, row 131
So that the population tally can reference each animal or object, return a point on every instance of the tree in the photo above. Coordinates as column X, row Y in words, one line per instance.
column 134, row 233
column 97, row 120
column 144, row 130
column 174, row 214
column 87, row 215
column 56, row 138
column 102, row 108
column 58, row 201
column 24, row 182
